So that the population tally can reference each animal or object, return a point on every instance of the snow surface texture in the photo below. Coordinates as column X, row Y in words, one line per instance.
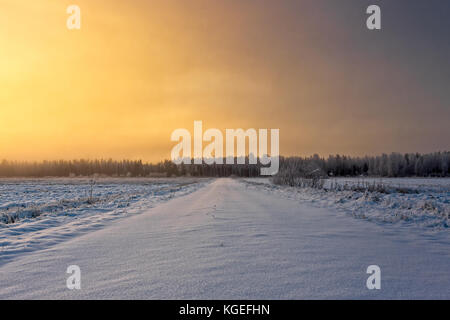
column 417, row 202
column 229, row 240
column 36, row 214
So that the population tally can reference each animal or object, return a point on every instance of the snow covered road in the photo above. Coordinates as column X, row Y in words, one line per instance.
column 228, row 241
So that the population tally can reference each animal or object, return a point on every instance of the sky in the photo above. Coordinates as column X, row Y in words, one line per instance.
column 137, row 70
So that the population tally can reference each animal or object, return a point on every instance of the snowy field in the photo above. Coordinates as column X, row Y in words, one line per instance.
column 221, row 239
column 37, row 213
column 236, row 240
column 411, row 202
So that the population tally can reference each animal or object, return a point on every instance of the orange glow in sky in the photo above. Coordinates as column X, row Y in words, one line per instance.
column 137, row 70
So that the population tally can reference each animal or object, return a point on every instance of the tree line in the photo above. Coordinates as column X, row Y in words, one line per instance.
column 435, row 164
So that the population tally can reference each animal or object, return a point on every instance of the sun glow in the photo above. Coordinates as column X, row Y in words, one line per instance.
column 137, row 70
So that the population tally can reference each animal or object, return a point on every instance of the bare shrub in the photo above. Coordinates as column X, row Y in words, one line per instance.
column 300, row 173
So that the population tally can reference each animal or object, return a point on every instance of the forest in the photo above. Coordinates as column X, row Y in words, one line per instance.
column 435, row 164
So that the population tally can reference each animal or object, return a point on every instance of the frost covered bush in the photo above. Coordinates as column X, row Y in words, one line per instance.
column 12, row 215
column 300, row 173
column 368, row 186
